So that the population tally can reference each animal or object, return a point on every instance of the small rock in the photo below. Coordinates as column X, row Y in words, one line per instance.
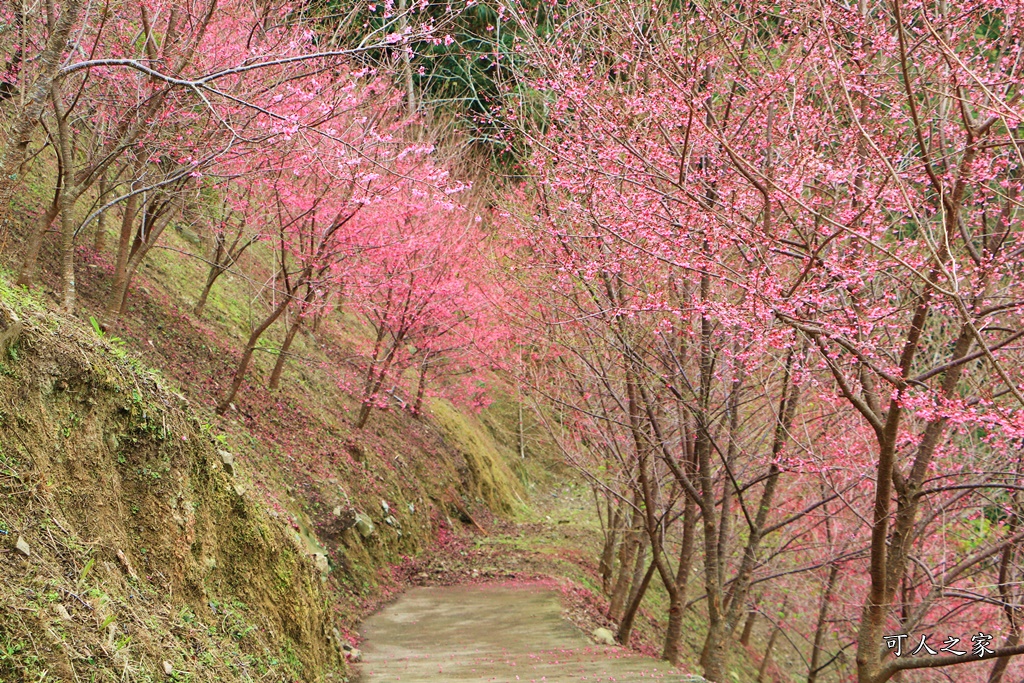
column 384, row 507
column 62, row 612
column 240, row 490
column 353, row 655
column 603, row 636
column 336, row 511
column 22, row 547
column 228, row 460
column 168, row 669
column 210, row 563
column 321, row 563
column 364, row 526
column 390, row 521
column 412, row 509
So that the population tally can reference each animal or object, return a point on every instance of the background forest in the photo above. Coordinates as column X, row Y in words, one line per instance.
column 753, row 269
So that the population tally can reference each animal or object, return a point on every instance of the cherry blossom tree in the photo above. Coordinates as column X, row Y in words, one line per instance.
column 837, row 208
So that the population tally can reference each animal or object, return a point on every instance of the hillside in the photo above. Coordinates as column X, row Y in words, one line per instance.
column 227, row 547
column 133, row 550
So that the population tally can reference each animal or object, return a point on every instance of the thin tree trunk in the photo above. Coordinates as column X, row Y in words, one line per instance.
column 99, row 243
column 677, row 599
column 410, row 90
column 20, row 134
column 250, row 347
column 626, row 627
column 767, row 654
column 1010, row 610
column 68, row 197
column 788, row 400
column 819, row 632
column 118, row 302
column 627, row 551
column 67, row 251
column 421, row 386
column 372, row 391
column 131, row 209
column 999, row 668
column 30, row 262
column 713, row 655
column 224, row 257
column 215, row 272
column 611, row 542
column 378, row 344
column 373, row 388
column 748, row 627
column 282, row 354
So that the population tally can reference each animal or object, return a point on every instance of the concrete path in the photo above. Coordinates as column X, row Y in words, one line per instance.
column 492, row 633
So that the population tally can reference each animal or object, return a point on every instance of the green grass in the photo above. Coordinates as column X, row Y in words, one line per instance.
column 494, row 482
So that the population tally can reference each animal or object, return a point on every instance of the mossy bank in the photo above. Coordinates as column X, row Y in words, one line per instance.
column 127, row 551
column 143, row 538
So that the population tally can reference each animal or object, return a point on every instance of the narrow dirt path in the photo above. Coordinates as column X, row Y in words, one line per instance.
column 492, row 633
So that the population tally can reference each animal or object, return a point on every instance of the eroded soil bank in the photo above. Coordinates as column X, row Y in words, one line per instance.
column 492, row 632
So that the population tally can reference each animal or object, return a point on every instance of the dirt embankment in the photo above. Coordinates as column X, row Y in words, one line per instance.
column 128, row 551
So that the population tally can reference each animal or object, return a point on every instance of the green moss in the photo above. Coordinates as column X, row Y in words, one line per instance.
column 493, row 481
column 284, row 570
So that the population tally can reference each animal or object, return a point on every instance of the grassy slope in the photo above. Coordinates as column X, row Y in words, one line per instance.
column 142, row 549
column 300, row 460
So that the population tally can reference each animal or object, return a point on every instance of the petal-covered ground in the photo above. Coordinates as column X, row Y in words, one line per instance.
column 494, row 633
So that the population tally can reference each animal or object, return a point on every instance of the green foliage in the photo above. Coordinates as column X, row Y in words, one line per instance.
column 465, row 70
column 492, row 480
column 85, row 571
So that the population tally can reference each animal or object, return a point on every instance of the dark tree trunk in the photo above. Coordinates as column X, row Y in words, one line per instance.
column 20, row 134
column 819, row 632
column 626, row 626
column 145, row 240
column 250, row 347
column 748, row 627
column 99, row 243
column 421, row 387
column 372, row 390
column 376, row 377
column 677, row 598
column 282, row 355
column 627, row 552
column 30, row 262
column 215, row 272
column 766, row 660
column 611, row 542
column 131, row 208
